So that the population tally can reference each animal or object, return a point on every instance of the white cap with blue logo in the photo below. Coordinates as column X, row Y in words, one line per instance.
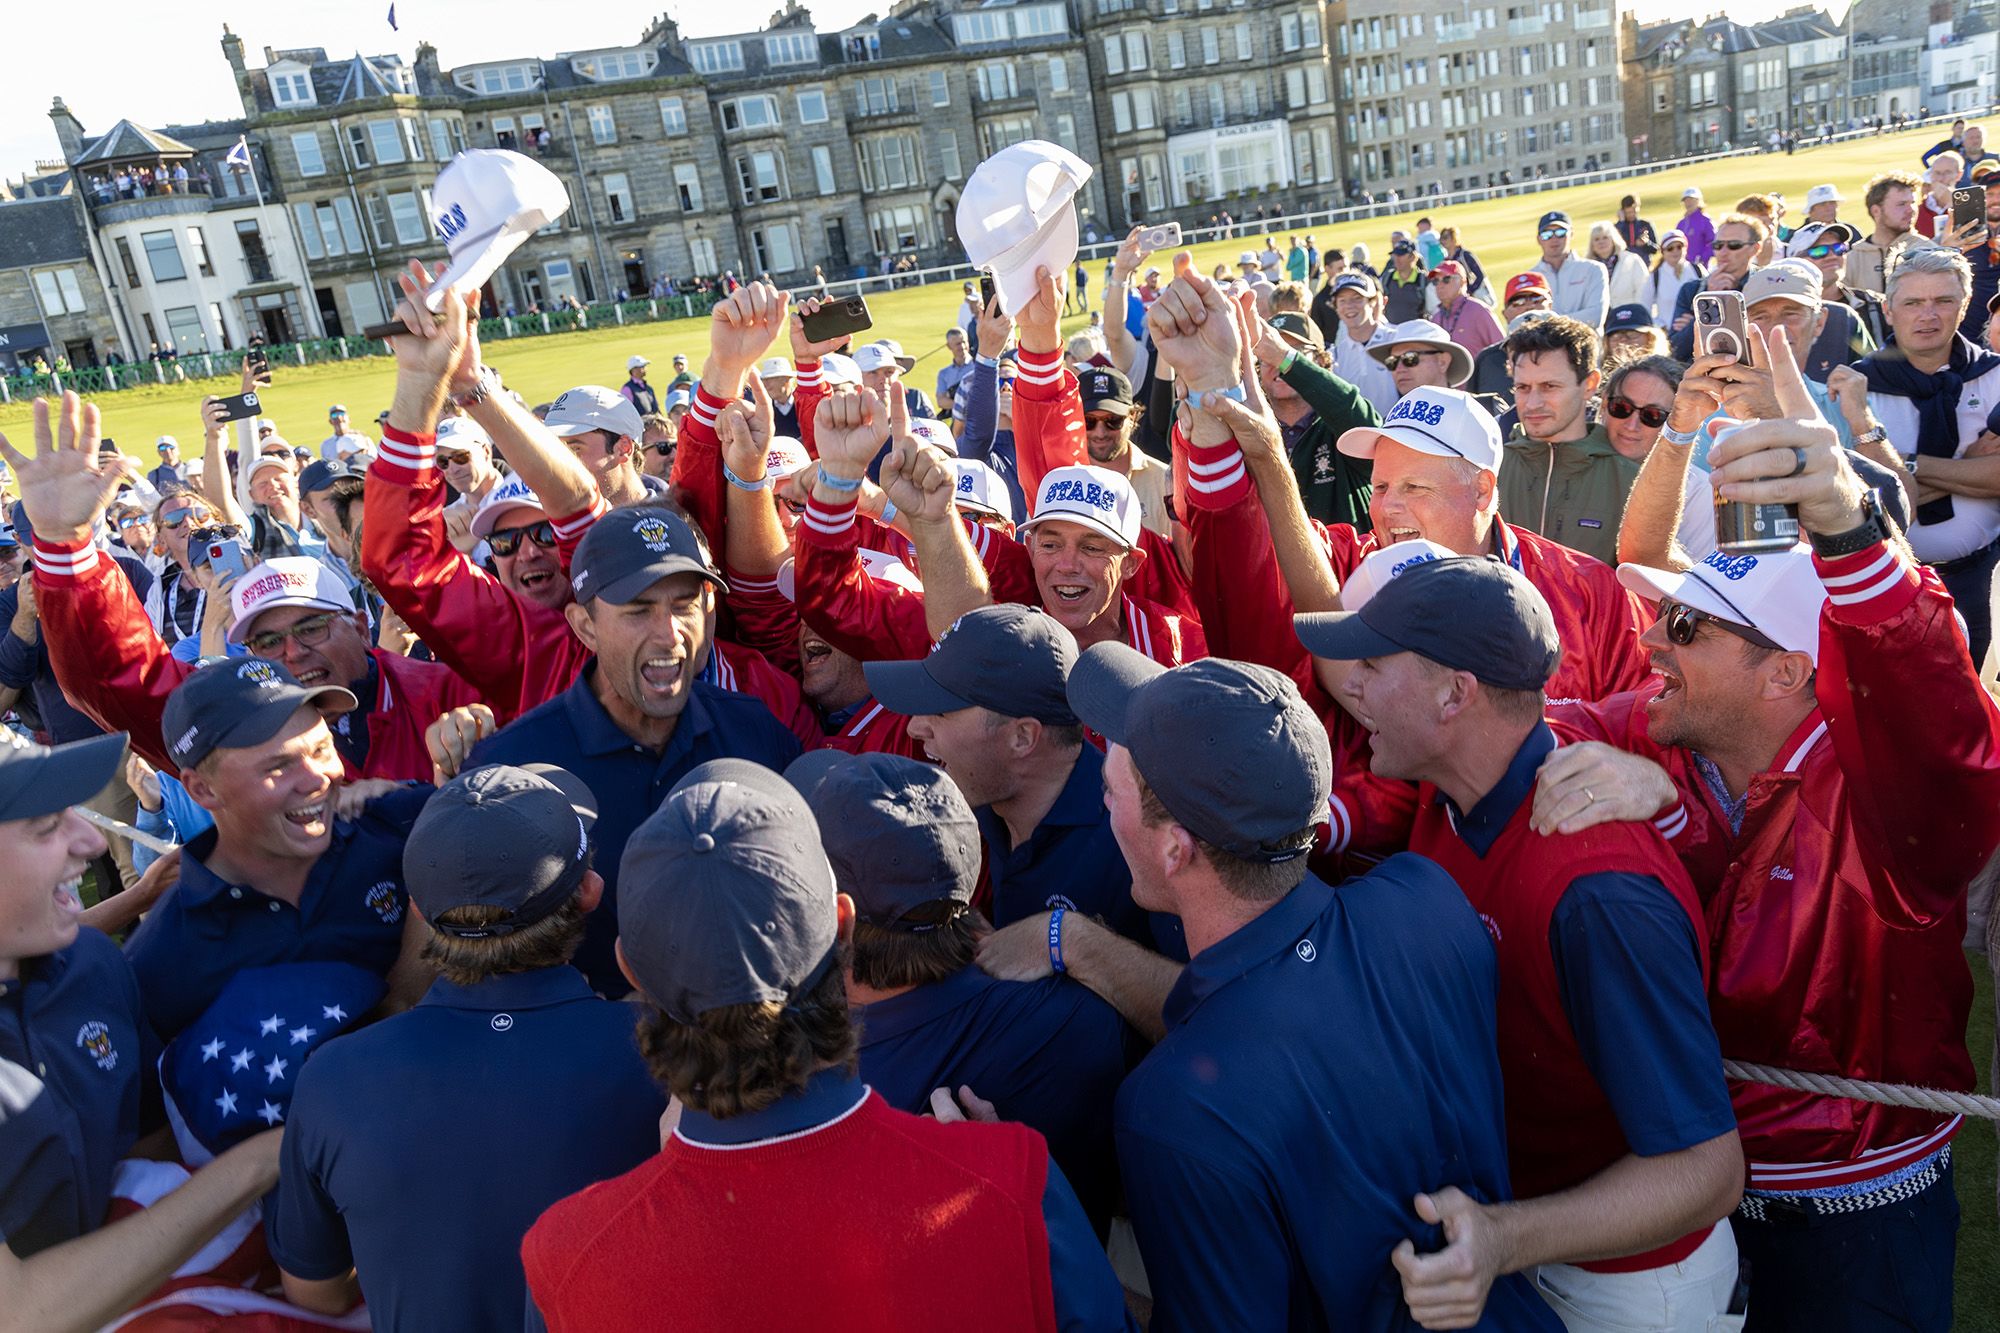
column 1778, row 594
column 980, row 490
column 1095, row 497
column 484, row 204
column 1446, row 423
column 1380, row 566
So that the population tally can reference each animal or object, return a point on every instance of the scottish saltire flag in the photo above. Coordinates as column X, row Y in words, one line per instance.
column 392, row 17
column 238, row 157
column 232, row 1073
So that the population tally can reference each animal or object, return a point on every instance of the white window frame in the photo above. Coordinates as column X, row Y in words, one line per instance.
column 817, row 115
column 406, row 215
column 383, row 134
column 824, row 179
column 603, row 123
column 687, row 187
column 1058, row 75
column 940, row 88
column 300, row 143
column 292, row 87
column 619, row 204
column 716, row 57
column 735, row 107
column 792, row 47
column 673, row 116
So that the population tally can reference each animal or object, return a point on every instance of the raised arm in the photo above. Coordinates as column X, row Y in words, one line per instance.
column 543, row 461
column 980, row 391
column 218, row 483
column 1048, row 410
column 919, row 480
column 1119, row 343
column 757, row 544
column 1646, row 534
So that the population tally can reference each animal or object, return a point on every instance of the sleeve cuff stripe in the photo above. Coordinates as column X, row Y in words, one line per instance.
column 829, row 528
column 1211, row 486
column 1832, row 580
column 1896, row 577
column 739, row 584
column 61, row 564
column 1033, row 377
column 1040, row 359
column 409, row 455
column 1673, row 823
column 1221, row 462
column 1340, row 829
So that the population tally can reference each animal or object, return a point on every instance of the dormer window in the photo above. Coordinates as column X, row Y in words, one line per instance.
column 291, row 87
column 608, row 66
column 791, row 48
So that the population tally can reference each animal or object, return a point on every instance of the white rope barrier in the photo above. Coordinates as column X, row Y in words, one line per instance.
column 1861, row 1090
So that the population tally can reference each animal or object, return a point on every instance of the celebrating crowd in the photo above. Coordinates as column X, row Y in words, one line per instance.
column 1269, row 813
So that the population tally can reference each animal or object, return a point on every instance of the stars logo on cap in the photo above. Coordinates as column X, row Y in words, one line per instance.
column 1734, row 568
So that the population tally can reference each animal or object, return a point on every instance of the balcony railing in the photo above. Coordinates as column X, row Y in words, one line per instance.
column 1527, row 27
column 1457, row 32
column 102, row 190
column 1587, row 19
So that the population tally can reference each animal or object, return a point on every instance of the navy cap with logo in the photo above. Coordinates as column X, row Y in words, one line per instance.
column 320, row 474
column 898, row 832
column 37, row 780
column 725, row 895
column 1011, row 658
column 1555, row 217
column 1468, row 613
column 1354, row 282
column 234, row 704
column 1231, row 749
column 629, row 550
column 1629, row 317
column 498, row 836
column 1105, row 390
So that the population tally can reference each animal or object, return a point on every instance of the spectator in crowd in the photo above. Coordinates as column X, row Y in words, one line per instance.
column 1527, row 297
column 1469, row 321
column 603, row 430
column 1578, row 286
column 1314, row 405
column 643, row 397
column 1297, row 265
column 465, row 454
column 1403, row 284
column 1695, row 226
column 1562, row 479
column 1823, row 203
column 1941, row 176
column 1630, row 335
column 1950, row 144
column 176, row 603
column 1981, row 247
column 1738, row 239
column 682, row 379
column 958, row 363
column 1475, row 276
column 1825, row 246
column 343, row 443
column 1421, row 353
column 658, row 443
column 1624, row 270
column 781, row 384
column 171, row 474
column 1270, row 262
column 1973, row 149
column 1430, row 246
column 1891, row 205
column 1357, row 303
column 1635, row 231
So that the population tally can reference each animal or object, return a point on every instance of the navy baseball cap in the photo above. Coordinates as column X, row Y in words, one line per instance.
column 1624, row 318
column 1231, row 749
column 320, row 474
column 629, row 550
column 1105, row 390
column 37, row 780
column 8, row 541
column 1354, row 281
column 24, row 531
column 898, row 832
column 513, row 838
column 237, row 703
column 1468, row 613
column 1555, row 217
column 1011, row 658
column 725, row 895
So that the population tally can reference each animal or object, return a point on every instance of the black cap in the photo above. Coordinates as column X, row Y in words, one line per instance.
column 1230, row 749
column 898, row 832
column 1402, row 248
column 1105, row 390
column 1550, row 218
column 1468, row 613
column 1624, row 318
column 500, row 836
column 1296, row 329
column 234, row 704
column 320, row 474
column 725, row 895
column 629, row 550
column 1011, row 658
column 36, row 780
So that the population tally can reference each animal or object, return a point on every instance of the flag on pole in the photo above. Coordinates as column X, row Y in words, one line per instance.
column 238, row 158
column 392, row 18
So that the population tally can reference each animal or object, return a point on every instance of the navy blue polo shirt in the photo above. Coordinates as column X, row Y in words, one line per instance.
column 629, row 781
column 75, row 1054
column 1628, row 970
column 1049, row 1054
column 420, row 1150
column 1072, row 860
column 1322, row 1066
column 207, row 929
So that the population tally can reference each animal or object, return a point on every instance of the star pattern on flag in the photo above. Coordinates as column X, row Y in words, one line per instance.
column 241, row 1060
column 300, row 1036
column 271, row 1114
column 275, row 1070
column 270, row 1025
column 333, row 1013
column 211, row 1050
column 226, row 1103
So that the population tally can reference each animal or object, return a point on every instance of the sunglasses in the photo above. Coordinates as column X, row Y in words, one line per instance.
column 1102, row 420
column 133, row 521
column 1623, row 407
column 1826, row 250
column 796, row 506
column 506, row 541
column 1550, row 233
column 1684, row 622
column 310, row 632
column 1407, row 359
column 1734, row 245
column 178, row 519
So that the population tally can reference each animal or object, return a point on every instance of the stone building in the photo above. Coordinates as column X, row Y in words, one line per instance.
column 52, row 304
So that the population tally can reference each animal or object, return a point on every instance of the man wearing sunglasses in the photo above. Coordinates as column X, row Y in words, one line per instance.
column 1825, row 245
column 465, row 455
column 1578, row 285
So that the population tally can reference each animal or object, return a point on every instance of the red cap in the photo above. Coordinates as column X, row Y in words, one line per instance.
column 1522, row 282
column 1448, row 268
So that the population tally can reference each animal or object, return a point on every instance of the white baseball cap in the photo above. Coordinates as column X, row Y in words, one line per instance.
column 591, row 407
column 1806, row 237
column 785, row 456
column 263, row 462
column 678, row 398
column 194, row 467
column 877, row 565
column 895, row 350
column 511, row 494
column 1823, row 194
column 1778, row 594
column 1431, row 335
column 934, row 433
column 1018, row 215
column 461, row 435
column 1691, row 192
column 288, row 580
column 1446, row 423
column 980, row 490
column 872, row 356
column 635, row 361
column 835, row 368
column 1384, row 564
column 165, row 440
column 485, row 203
column 1096, row 497
column 774, row 368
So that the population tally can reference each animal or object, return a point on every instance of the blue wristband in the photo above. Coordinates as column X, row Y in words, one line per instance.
column 843, row 484
column 1672, row 436
column 1055, row 941
column 888, row 512
column 741, row 484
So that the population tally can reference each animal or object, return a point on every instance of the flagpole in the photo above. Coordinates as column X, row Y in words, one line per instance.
column 298, row 242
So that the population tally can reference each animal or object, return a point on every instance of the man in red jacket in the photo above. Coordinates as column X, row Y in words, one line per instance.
column 1819, row 716
column 290, row 610
column 1620, row 1138
column 968, row 1225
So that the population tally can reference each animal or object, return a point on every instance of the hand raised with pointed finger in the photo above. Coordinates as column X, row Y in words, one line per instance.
column 850, row 429
column 917, row 478
column 746, row 429
column 66, row 485
column 742, row 328
column 1195, row 333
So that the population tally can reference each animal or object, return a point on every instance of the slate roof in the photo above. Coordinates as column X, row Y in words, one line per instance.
column 126, row 142
column 42, row 231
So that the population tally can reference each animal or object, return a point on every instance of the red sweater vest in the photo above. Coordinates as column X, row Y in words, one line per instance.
column 877, row 1220
column 1561, row 1129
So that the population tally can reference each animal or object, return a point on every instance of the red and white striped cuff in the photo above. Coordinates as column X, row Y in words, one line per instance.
column 62, row 562
column 1039, row 368
column 808, row 373
column 1217, row 475
column 1869, row 586
column 1339, row 827
column 741, row 585
column 404, row 453
column 573, row 527
column 1672, row 822
column 828, row 521
column 706, row 406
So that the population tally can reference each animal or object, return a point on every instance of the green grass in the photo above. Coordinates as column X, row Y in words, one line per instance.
column 1500, row 232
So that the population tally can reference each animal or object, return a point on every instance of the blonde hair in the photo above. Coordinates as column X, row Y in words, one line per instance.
column 1600, row 229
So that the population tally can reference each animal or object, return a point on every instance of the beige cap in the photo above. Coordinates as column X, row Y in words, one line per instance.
column 1793, row 280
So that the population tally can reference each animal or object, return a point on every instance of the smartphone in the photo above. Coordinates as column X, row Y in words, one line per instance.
column 836, row 318
column 1166, row 236
column 225, row 555
column 986, row 291
column 1968, row 210
column 237, row 406
column 1720, row 325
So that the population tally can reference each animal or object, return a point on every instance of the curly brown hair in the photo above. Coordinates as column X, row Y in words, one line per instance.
column 550, row 942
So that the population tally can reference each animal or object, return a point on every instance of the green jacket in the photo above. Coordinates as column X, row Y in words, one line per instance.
column 1335, row 487
column 1572, row 493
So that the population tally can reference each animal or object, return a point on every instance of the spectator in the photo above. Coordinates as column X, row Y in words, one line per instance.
column 1314, row 406
column 1470, row 322
column 641, row 395
column 1562, row 479
column 1297, row 264
column 603, row 430
column 1357, row 304
column 1270, row 261
column 1891, row 205
column 659, row 443
column 1430, row 245
column 1403, row 285
column 1695, row 226
column 958, row 363
column 1421, row 353
column 1578, row 286
column 465, row 454
column 1672, row 270
column 1973, row 150
column 1630, row 335
column 1738, row 238
column 171, row 474
column 781, row 385
column 1823, row 203
column 1950, row 144
column 1624, row 270
column 682, row 379
column 1475, row 276
column 343, row 443
column 1940, row 179
column 1635, row 231
column 1825, row 246
column 1492, row 376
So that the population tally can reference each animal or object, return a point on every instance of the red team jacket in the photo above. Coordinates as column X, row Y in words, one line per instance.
column 1848, row 879
column 115, row 668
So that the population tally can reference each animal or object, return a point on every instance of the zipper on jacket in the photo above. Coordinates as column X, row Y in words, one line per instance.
column 1548, row 486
